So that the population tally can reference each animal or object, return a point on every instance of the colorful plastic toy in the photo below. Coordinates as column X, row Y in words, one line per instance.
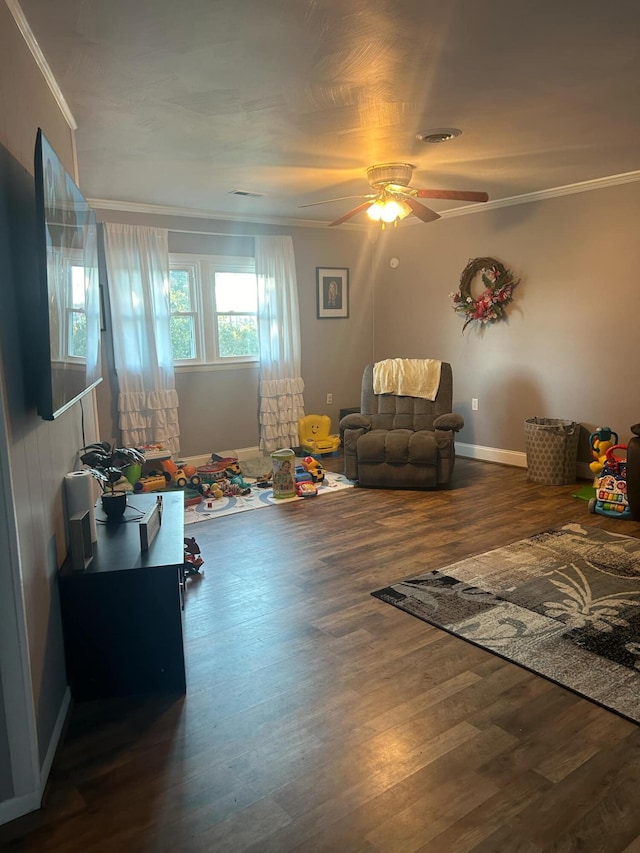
column 600, row 441
column 192, row 558
column 314, row 434
column 306, row 489
column 313, row 467
column 611, row 490
column 151, row 483
column 216, row 469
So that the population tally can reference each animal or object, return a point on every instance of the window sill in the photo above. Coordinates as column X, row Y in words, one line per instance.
column 204, row 368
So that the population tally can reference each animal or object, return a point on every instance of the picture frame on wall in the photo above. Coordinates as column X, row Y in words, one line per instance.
column 332, row 292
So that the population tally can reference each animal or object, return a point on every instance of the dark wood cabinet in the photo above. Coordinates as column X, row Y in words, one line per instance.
column 123, row 616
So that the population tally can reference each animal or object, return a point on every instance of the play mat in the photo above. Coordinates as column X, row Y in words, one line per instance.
column 258, row 498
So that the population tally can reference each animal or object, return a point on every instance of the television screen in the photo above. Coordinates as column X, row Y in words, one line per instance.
column 69, row 288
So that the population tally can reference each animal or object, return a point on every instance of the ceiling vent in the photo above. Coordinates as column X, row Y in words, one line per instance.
column 440, row 134
column 246, row 193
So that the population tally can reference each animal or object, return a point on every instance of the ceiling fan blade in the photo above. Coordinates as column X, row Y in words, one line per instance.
column 422, row 212
column 363, row 206
column 342, row 198
column 456, row 195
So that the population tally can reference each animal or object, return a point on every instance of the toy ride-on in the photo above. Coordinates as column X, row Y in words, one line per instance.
column 611, row 488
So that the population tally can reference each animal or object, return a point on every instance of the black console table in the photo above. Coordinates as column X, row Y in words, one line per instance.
column 122, row 616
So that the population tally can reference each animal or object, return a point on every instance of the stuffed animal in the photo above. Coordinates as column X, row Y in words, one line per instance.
column 237, row 480
column 230, row 490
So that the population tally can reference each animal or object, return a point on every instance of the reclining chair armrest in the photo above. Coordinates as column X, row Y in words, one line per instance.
column 450, row 421
column 355, row 421
column 349, row 447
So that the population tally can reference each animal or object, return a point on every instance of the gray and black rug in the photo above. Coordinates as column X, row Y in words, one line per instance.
column 565, row 604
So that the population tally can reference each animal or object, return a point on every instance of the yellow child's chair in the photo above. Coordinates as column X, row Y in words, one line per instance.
column 314, row 434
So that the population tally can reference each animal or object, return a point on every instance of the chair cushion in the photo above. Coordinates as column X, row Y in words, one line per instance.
column 398, row 447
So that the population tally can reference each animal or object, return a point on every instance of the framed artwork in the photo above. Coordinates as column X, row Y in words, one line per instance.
column 332, row 292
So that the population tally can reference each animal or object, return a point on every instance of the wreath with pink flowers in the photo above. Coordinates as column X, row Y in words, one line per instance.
column 489, row 306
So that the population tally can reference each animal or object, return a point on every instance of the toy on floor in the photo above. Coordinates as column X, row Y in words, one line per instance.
column 313, row 467
column 192, row 558
column 180, row 476
column 600, row 441
column 232, row 490
column 611, row 489
column 306, row 489
column 264, row 481
column 151, row 483
column 211, row 491
column 314, row 434
column 238, row 480
column 216, row 469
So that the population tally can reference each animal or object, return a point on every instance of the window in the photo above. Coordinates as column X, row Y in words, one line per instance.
column 77, row 315
column 183, row 314
column 214, row 305
column 69, row 328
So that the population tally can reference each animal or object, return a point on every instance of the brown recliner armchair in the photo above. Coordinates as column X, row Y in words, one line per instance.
column 402, row 442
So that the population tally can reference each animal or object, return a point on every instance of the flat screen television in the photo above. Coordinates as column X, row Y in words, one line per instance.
column 68, row 325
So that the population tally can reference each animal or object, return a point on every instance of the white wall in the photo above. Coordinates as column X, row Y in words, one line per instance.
column 34, row 457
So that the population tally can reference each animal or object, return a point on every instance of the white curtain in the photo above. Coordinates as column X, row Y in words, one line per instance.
column 281, row 386
column 138, row 274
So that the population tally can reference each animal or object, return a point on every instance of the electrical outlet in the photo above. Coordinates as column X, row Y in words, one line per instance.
column 474, row 404
column 329, row 399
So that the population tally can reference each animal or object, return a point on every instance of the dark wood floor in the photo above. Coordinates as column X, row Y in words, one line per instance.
column 318, row 718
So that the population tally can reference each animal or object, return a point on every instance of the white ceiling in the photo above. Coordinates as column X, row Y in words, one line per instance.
column 180, row 102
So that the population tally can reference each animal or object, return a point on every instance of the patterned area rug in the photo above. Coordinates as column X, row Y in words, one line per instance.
column 259, row 499
column 564, row 604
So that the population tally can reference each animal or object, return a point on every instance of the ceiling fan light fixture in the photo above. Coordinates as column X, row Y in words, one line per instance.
column 387, row 210
column 390, row 173
column 438, row 135
column 394, row 210
column 375, row 211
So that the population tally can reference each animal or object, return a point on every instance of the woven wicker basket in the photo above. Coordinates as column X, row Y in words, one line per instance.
column 552, row 450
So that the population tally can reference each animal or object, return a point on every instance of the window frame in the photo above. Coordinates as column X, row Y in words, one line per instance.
column 204, row 310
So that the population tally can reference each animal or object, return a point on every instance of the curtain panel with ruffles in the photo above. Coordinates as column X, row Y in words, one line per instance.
column 138, row 274
column 281, row 386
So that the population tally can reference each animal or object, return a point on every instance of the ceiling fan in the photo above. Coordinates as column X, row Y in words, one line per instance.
column 394, row 199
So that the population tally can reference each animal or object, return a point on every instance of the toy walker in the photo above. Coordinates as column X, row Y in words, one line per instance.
column 600, row 441
column 611, row 487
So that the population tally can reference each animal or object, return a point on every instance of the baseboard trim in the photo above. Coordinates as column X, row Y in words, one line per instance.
column 515, row 458
column 18, row 806
column 58, row 729
column 202, row 459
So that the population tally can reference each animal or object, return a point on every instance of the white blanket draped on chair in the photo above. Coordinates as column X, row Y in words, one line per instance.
column 407, row 377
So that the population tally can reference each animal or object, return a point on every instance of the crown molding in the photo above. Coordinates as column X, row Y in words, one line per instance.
column 542, row 195
column 196, row 213
column 525, row 198
column 41, row 62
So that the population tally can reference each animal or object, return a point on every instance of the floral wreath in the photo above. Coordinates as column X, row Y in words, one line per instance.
column 490, row 306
